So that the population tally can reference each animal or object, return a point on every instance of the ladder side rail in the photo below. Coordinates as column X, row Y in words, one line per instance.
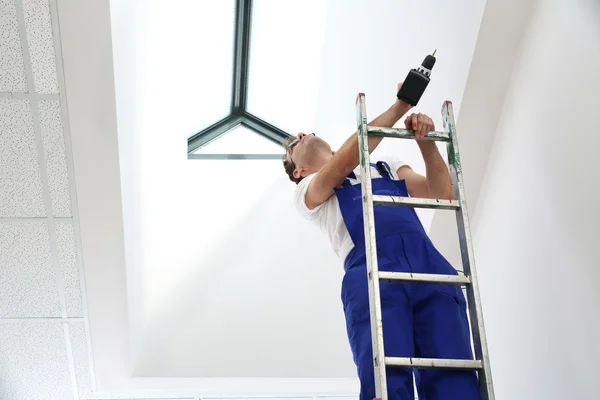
column 371, row 251
column 467, row 254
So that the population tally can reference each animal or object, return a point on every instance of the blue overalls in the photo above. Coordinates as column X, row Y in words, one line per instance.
column 419, row 320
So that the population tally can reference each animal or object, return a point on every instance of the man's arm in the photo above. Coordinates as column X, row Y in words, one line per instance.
column 436, row 184
column 346, row 159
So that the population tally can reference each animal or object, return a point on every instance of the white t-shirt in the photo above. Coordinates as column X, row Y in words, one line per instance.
column 328, row 216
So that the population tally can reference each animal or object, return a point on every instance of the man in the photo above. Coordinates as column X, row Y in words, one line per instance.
column 419, row 320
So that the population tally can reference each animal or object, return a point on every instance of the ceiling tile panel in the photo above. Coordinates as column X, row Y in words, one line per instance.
column 12, row 70
column 81, row 359
column 41, row 47
column 33, row 361
column 56, row 161
column 67, row 254
column 27, row 278
column 21, row 192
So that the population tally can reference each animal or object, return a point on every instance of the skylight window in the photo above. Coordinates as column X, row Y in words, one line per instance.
column 200, row 56
column 286, row 55
column 211, row 123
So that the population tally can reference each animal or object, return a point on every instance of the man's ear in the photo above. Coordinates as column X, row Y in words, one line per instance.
column 298, row 172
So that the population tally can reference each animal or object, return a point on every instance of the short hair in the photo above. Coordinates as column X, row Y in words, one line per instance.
column 289, row 165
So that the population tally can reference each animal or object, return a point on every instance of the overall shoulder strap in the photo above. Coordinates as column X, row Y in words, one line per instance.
column 384, row 169
column 347, row 182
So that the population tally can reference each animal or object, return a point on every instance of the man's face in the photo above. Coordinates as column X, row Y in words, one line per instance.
column 308, row 150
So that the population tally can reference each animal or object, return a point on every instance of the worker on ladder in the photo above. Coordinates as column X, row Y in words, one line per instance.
column 422, row 320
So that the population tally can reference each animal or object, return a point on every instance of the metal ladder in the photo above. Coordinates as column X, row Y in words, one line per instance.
column 469, row 280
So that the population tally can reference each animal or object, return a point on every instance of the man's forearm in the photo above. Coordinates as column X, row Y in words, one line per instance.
column 436, row 171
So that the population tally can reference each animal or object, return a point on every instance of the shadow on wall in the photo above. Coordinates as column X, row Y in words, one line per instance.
column 239, row 310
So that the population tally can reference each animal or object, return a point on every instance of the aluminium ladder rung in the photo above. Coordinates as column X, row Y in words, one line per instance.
column 441, row 363
column 424, row 278
column 415, row 202
column 406, row 134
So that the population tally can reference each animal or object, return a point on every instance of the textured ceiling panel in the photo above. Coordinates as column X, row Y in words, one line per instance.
column 56, row 161
column 67, row 253
column 33, row 361
column 27, row 279
column 20, row 182
column 41, row 47
column 12, row 70
column 81, row 359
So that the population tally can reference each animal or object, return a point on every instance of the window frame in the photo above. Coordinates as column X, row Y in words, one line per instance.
column 238, row 115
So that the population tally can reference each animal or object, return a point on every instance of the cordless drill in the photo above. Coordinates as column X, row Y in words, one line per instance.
column 416, row 81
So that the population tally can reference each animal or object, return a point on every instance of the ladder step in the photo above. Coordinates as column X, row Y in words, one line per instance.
column 424, row 278
column 441, row 363
column 406, row 134
column 415, row 202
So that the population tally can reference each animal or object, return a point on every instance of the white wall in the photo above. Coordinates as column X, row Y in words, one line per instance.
column 535, row 231
column 502, row 29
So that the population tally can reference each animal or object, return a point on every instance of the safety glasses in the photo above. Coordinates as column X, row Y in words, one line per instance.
column 292, row 144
